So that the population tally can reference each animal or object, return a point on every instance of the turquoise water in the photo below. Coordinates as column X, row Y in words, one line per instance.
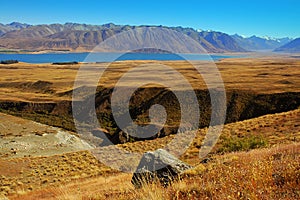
column 105, row 57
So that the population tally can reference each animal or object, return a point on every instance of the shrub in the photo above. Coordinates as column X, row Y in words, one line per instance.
column 65, row 63
column 231, row 144
column 6, row 62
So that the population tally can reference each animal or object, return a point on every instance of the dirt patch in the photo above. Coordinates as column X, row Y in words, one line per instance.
column 23, row 138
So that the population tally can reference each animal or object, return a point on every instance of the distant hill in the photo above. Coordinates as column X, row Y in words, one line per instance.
column 83, row 37
column 291, row 47
column 255, row 43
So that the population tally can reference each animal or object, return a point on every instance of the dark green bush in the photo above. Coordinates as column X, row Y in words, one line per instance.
column 65, row 63
column 247, row 143
column 6, row 62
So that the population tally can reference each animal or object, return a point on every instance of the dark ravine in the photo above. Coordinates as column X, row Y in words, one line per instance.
column 241, row 105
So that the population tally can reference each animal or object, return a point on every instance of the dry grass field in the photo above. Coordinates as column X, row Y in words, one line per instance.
column 44, row 82
column 256, row 158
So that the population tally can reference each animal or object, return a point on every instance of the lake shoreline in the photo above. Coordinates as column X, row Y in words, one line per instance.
column 89, row 57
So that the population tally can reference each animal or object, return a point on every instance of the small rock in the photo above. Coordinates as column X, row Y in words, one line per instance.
column 38, row 133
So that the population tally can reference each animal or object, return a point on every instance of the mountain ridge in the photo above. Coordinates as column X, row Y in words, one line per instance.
column 4, row 28
column 291, row 47
column 74, row 36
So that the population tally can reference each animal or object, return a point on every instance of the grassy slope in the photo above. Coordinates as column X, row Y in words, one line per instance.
column 259, row 174
column 89, row 177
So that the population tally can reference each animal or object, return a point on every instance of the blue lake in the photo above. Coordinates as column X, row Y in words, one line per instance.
column 106, row 57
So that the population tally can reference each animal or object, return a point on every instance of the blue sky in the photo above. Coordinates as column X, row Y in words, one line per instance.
column 277, row 18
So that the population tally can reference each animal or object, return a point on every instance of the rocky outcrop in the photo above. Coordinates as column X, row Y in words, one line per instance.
column 158, row 165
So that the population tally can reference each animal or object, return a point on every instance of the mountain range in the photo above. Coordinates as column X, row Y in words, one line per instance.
column 255, row 43
column 83, row 37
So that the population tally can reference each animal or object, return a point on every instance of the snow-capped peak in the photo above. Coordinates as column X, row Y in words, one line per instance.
column 271, row 38
column 267, row 37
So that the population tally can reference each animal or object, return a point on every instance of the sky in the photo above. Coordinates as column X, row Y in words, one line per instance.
column 277, row 18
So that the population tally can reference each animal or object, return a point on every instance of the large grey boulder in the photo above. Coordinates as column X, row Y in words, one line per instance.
column 158, row 165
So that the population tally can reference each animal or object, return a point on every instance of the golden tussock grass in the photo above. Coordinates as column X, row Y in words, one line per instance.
column 22, row 175
column 258, row 174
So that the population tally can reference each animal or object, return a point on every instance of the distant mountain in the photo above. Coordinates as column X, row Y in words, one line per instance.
column 291, row 47
column 82, row 37
column 255, row 43
column 221, row 41
column 17, row 25
column 212, row 41
column 11, row 27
